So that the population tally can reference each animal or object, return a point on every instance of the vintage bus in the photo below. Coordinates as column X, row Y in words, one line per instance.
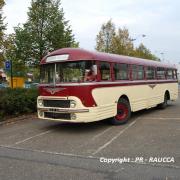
column 82, row 86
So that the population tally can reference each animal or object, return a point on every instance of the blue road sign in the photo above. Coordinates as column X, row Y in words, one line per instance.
column 8, row 65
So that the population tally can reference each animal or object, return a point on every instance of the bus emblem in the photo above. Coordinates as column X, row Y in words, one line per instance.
column 54, row 90
column 152, row 85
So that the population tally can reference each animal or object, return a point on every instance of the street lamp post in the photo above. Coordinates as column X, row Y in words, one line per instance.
column 11, row 74
column 162, row 55
column 137, row 37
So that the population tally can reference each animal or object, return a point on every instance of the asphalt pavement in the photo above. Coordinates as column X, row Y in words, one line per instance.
column 147, row 147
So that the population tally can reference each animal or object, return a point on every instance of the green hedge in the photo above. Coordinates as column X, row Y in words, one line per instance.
column 17, row 101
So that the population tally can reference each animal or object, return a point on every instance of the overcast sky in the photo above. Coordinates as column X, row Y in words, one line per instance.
column 159, row 20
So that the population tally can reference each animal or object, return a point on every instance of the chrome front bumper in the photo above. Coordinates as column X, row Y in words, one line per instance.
column 60, row 110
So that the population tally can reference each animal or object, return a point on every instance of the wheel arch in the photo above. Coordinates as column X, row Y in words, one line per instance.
column 168, row 94
column 124, row 96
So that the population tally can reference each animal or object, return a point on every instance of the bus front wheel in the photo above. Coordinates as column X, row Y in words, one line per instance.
column 123, row 112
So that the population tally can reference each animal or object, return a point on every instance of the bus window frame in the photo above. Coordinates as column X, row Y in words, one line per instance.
column 157, row 73
column 99, row 71
column 175, row 74
column 142, row 73
column 131, row 72
column 167, row 74
column 128, row 72
column 155, row 76
column 135, row 72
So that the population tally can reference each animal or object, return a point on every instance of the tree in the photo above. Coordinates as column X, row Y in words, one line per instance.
column 109, row 41
column 19, row 68
column 2, row 28
column 105, row 37
column 143, row 52
column 122, row 43
column 44, row 31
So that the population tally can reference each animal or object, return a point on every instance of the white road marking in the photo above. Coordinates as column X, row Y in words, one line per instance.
column 48, row 152
column 100, row 134
column 114, row 138
column 37, row 135
column 95, row 137
column 161, row 118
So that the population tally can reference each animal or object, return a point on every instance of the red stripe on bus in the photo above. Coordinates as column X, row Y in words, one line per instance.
column 83, row 91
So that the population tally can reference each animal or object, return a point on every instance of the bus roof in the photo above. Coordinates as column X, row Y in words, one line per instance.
column 76, row 54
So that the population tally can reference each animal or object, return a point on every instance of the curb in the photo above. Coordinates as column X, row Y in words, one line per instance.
column 18, row 118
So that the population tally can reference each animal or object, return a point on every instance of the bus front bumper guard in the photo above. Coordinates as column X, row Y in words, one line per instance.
column 59, row 110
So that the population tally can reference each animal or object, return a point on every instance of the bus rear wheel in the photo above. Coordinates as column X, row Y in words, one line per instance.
column 123, row 112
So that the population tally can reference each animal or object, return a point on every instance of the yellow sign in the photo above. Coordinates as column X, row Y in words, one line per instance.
column 18, row 82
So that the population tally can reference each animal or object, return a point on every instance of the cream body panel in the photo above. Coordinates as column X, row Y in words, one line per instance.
column 106, row 98
column 140, row 96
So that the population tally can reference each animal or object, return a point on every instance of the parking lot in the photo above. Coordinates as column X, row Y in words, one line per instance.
column 38, row 149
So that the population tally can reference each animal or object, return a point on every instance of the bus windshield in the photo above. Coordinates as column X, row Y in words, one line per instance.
column 65, row 72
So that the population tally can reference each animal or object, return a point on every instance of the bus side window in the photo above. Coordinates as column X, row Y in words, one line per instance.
column 140, row 72
column 150, row 73
column 161, row 73
column 116, row 69
column 121, row 71
column 137, row 72
column 105, row 71
column 169, row 74
column 134, row 72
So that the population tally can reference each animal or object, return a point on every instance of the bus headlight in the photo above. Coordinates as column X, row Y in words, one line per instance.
column 40, row 102
column 41, row 113
column 72, row 104
column 73, row 116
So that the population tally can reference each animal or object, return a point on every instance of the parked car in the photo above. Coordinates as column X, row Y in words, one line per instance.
column 3, row 85
column 34, row 85
column 31, row 85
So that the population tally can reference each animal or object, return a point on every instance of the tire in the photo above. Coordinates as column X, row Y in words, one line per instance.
column 123, row 112
column 165, row 103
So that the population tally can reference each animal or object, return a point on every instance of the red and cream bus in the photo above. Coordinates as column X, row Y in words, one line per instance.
column 83, row 86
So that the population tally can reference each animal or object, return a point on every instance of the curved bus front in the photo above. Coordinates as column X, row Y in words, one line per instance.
column 73, row 104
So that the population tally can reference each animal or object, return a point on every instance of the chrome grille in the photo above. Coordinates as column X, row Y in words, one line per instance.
column 57, row 103
column 52, row 115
